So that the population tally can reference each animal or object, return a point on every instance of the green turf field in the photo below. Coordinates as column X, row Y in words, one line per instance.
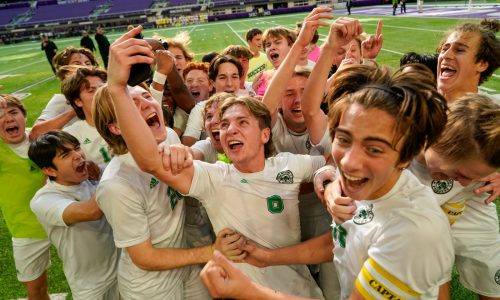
column 24, row 69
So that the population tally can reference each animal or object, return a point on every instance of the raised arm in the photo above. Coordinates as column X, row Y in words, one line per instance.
column 342, row 31
column 274, row 93
column 125, row 52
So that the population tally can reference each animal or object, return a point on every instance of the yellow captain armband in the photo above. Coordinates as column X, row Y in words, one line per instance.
column 374, row 282
column 453, row 211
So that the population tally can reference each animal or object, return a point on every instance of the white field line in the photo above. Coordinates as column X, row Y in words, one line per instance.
column 23, row 66
column 34, row 84
column 239, row 36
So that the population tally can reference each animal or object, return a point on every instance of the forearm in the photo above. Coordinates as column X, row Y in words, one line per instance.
column 277, row 86
column 138, row 137
column 180, row 93
column 258, row 292
column 42, row 126
column 159, row 259
column 314, row 251
column 314, row 117
column 82, row 211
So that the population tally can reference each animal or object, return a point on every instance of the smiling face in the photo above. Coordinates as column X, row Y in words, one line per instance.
column 70, row 166
column 464, row 172
column 79, row 59
column 198, row 84
column 292, row 112
column 242, row 138
column 458, row 71
column 227, row 79
column 150, row 111
column 362, row 149
column 212, row 126
column 276, row 50
column 87, row 94
column 12, row 125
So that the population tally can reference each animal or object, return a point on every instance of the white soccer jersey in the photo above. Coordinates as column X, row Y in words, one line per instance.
column 396, row 246
column 262, row 206
column 93, row 145
column 89, row 256
column 205, row 147
column 285, row 140
column 140, row 207
column 195, row 126
column 474, row 229
column 56, row 106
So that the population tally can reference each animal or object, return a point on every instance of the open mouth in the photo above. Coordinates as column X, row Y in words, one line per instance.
column 353, row 183
column 274, row 56
column 447, row 71
column 234, row 145
column 216, row 135
column 195, row 94
column 12, row 130
column 153, row 121
column 296, row 110
column 229, row 91
column 81, row 168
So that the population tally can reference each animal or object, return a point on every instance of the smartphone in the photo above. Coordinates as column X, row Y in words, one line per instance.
column 139, row 72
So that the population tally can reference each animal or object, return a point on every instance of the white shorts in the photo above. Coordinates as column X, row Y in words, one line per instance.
column 193, row 286
column 31, row 257
column 477, row 249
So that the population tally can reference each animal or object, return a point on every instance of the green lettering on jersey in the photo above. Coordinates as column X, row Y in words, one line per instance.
column 174, row 196
column 104, row 154
column 339, row 233
column 275, row 204
column 154, row 182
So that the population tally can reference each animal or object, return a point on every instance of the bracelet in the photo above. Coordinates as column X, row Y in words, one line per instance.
column 159, row 78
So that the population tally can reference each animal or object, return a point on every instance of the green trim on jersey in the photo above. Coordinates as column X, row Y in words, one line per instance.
column 20, row 179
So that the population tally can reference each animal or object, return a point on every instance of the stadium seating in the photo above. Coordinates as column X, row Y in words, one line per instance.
column 62, row 12
column 127, row 6
column 174, row 3
column 6, row 15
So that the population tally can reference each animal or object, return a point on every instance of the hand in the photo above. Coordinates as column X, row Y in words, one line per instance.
column 93, row 170
column 342, row 32
column 340, row 208
column 257, row 81
column 372, row 46
column 176, row 158
column 229, row 243
column 492, row 187
column 257, row 255
column 311, row 24
column 125, row 52
column 320, row 178
column 223, row 279
column 164, row 61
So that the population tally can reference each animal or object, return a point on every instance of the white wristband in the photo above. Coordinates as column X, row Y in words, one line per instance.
column 326, row 168
column 159, row 78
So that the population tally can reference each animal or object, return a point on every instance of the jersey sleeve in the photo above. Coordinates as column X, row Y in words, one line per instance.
column 194, row 125
column 180, row 119
column 124, row 211
column 409, row 261
column 207, row 179
column 325, row 145
column 49, row 208
column 304, row 166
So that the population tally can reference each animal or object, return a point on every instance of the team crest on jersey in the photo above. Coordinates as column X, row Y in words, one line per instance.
column 442, row 186
column 364, row 215
column 308, row 144
column 285, row 177
column 497, row 277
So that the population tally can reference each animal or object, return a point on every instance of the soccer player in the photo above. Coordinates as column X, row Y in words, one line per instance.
column 244, row 56
column 379, row 123
column 79, row 89
column 267, row 187
column 468, row 56
column 20, row 180
column 147, row 215
column 258, row 63
column 67, row 209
